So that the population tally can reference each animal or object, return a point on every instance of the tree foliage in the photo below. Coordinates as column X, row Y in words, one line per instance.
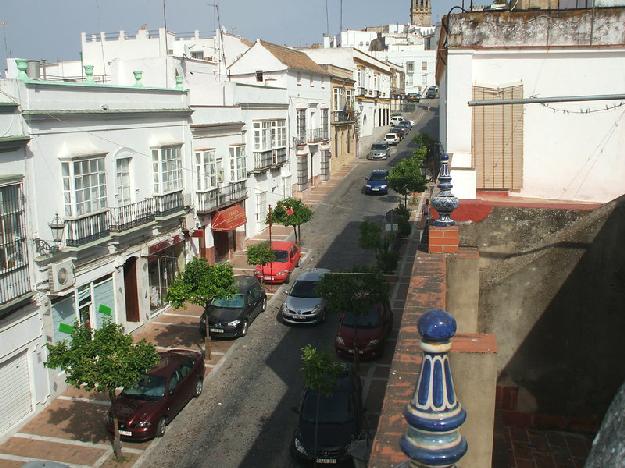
column 370, row 235
column 353, row 291
column 201, row 282
column 320, row 370
column 260, row 254
column 382, row 243
column 102, row 360
column 290, row 212
column 406, row 177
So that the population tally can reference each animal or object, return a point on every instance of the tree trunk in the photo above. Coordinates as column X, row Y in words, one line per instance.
column 299, row 233
column 207, row 340
column 295, row 232
column 117, row 443
column 406, row 199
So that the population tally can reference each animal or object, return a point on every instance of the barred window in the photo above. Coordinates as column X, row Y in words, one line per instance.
column 12, row 232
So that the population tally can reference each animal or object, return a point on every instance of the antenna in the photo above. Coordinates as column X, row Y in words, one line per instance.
column 221, row 52
column 166, row 46
column 341, row 21
column 327, row 20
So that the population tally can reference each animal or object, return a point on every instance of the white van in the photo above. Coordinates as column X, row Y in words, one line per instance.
column 396, row 119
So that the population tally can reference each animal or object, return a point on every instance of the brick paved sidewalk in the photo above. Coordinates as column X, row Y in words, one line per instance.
column 71, row 428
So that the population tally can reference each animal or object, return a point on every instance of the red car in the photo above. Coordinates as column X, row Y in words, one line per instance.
column 288, row 255
column 144, row 410
column 365, row 332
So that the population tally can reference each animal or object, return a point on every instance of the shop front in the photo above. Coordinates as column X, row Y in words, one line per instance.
column 165, row 260
column 227, row 238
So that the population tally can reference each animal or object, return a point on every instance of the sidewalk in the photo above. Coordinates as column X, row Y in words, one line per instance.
column 71, row 429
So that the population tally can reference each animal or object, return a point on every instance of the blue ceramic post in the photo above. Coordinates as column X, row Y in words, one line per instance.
column 434, row 413
column 445, row 203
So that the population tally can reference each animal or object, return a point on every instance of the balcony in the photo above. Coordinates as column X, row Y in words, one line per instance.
column 300, row 139
column 130, row 216
column 278, row 157
column 318, row 134
column 342, row 117
column 361, row 91
column 168, row 204
column 262, row 160
column 86, row 229
column 214, row 199
column 14, row 279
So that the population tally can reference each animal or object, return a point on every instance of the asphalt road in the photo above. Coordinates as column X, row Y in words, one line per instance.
column 245, row 417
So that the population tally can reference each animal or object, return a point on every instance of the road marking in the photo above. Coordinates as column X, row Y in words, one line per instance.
column 184, row 325
column 84, row 400
column 100, row 461
column 17, row 458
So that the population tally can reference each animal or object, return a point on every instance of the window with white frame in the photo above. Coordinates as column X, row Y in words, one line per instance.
column 12, row 230
column 409, row 68
column 262, row 135
column 324, row 122
column 261, row 207
column 84, row 185
column 205, row 169
column 278, row 133
column 237, row 163
column 361, row 78
column 349, row 97
column 301, row 123
column 424, row 66
column 167, row 169
column 122, row 181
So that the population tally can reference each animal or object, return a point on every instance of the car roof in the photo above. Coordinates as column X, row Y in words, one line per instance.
column 379, row 143
column 169, row 362
column 245, row 282
column 312, row 275
column 282, row 245
column 379, row 171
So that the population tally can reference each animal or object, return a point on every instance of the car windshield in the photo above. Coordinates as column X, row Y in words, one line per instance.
column 377, row 176
column 282, row 256
column 379, row 146
column 370, row 319
column 333, row 409
column 150, row 387
column 304, row 289
column 391, row 136
column 234, row 302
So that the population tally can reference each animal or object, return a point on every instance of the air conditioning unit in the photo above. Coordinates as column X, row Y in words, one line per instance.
column 61, row 275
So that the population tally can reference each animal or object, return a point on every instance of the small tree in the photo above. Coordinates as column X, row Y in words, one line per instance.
column 406, row 177
column 260, row 254
column 383, row 244
column 291, row 212
column 200, row 283
column 102, row 360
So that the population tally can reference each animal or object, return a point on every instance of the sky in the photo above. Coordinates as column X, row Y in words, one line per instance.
column 50, row 29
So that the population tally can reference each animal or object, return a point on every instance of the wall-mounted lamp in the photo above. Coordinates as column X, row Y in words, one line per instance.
column 57, row 226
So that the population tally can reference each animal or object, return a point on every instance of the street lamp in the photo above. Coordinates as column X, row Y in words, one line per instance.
column 57, row 226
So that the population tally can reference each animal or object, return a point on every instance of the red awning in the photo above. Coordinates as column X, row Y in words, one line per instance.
column 229, row 218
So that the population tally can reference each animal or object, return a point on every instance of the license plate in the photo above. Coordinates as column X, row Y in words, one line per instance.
column 125, row 433
column 375, row 189
column 326, row 460
column 269, row 278
column 216, row 330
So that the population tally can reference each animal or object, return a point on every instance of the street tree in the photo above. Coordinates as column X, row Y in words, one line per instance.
column 291, row 212
column 199, row 284
column 406, row 177
column 102, row 360
column 381, row 243
column 260, row 254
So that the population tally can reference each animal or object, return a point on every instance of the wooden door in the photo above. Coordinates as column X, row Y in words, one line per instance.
column 132, row 294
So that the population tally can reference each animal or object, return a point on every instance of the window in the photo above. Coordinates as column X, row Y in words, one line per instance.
column 259, row 76
column 261, row 207
column 278, row 133
column 336, row 102
column 409, row 68
column 84, row 186
column 361, row 78
column 237, row 163
column 167, row 169
column 12, row 233
column 205, row 170
column 349, row 96
column 197, row 54
column 324, row 123
column 424, row 66
column 262, row 135
column 122, row 181
column 301, row 123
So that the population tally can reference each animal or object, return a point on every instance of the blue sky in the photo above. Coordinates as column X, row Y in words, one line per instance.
column 50, row 29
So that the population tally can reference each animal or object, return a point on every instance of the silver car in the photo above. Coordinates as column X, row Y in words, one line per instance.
column 379, row 150
column 303, row 304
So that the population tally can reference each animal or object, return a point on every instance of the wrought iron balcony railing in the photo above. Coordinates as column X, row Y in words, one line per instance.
column 342, row 116
column 129, row 216
column 318, row 134
column 14, row 276
column 300, row 139
column 278, row 157
column 262, row 160
column 216, row 198
column 86, row 229
column 168, row 203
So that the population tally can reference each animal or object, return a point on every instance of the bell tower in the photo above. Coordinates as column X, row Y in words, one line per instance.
column 421, row 12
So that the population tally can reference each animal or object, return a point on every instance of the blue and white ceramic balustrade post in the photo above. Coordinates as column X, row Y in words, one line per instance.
column 434, row 415
column 445, row 203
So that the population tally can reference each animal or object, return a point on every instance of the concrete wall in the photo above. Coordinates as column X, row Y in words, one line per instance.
column 555, row 299
column 463, row 283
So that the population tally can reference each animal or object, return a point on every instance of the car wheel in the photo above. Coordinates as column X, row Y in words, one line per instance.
column 244, row 331
column 199, row 385
column 161, row 427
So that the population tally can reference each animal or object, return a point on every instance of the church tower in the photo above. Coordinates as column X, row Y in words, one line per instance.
column 421, row 13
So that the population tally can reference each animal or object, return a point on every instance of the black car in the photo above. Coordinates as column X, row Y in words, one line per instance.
column 399, row 130
column 336, row 419
column 405, row 124
column 231, row 317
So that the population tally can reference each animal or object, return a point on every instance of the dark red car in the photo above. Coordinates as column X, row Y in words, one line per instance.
column 288, row 255
column 364, row 332
column 144, row 410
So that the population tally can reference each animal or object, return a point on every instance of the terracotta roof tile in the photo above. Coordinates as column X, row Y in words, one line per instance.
column 294, row 58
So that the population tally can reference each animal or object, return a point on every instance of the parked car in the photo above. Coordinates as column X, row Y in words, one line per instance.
column 144, row 410
column 405, row 124
column 288, row 255
column 400, row 131
column 303, row 303
column 392, row 138
column 431, row 92
column 395, row 119
column 230, row 317
column 364, row 332
column 379, row 150
column 413, row 97
column 376, row 182
column 336, row 418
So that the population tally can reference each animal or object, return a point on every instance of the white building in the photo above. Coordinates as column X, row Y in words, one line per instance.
column 79, row 154
column 304, row 136
column 372, row 84
column 555, row 140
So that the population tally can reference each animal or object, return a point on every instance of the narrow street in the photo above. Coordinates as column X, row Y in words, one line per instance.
column 245, row 415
